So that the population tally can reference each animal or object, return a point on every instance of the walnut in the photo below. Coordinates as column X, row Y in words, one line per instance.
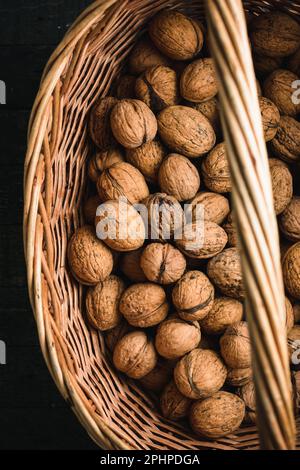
column 176, row 337
column 102, row 303
column 99, row 123
column 147, row 159
column 294, row 346
column 210, row 109
column 113, row 336
column 135, row 355
column 130, row 266
column 235, row 346
column 173, row 404
column 158, row 87
column 122, row 180
column 291, row 270
column 165, row 216
column 89, row 209
column 247, row 394
column 218, row 415
column 159, row 377
column 275, row 34
column 224, row 312
column 176, row 35
column 193, row 296
column 278, row 88
column 144, row 305
column 294, row 63
column 289, row 221
column 162, row 263
column 120, row 226
column 290, row 319
column 230, row 228
column 215, row 170
column 202, row 240
column 178, row 177
column 200, row 373
column 90, row 260
column 208, row 206
column 296, row 391
column 270, row 117
column 286, row 143
column 198, row 81
column 239, row 377
column 133, row 123
column 103, row 160
column 265, row 65
column 186, row 131
column 145, row 55
column 224, row 270
column 282, row 184
column 126, row 87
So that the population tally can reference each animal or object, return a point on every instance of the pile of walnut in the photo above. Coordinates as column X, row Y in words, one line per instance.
column 175, row 319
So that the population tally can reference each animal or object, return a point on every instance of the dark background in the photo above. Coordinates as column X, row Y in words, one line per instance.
column 32, row 413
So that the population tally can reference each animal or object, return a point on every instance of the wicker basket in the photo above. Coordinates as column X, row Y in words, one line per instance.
column 115, row 412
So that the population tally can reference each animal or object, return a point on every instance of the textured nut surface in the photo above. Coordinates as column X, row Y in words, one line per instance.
column 289, row 221
column 113, row 336
column 282, row 184
column 224, row 270
column 133, row 123
column 212, row 207
column 103, row 160
column 235, row 346
column 176, row 35
column 275, row 34
column 193, row 296
column 239, row 377
column 144, row 305
column 291, row 270
column 200, row 373
column 286, row 143
column 122, row 180
column 102, row 303
column 230, row 228
column 130, row 266
column 224, row 312
column 158, row 87
column 159, row 377
column 278, row 88
column 147, row 159
column 186, row 131
column 218, row 415
column 126, row 87
column 173, row 404
column 99, row 123
column 89, row 209
column 145, row 55
column 165, row 216
column 265, row 65
column 247, row 394
column 198, row 81
column 215, row 170
column 176, row 337
column 290, row 319
column 210, row 109
column 270, row 117
column 90, row 260
column 178, row 177
column 135, row 355
column 202, row 240
column 162, row 263
column 120, row 226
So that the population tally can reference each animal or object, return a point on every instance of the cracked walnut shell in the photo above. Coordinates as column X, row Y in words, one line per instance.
column 223, row 313
column 176, row 337
column 286, row 143
column 198, row 81
column 215, row 170
column 291, row 270
column 162, row 263
column 173, row 404
column 278, row 87
column 235, row 346
column 224, row 270
column 99, row 123
column 103, row 160
column 282, row 184
column 289, row 221
column 147, row 159
column 178, row 177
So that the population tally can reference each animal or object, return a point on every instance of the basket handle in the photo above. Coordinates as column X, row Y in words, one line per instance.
column 256, row 221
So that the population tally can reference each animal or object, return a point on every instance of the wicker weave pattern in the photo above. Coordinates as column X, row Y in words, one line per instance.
column 115, row 412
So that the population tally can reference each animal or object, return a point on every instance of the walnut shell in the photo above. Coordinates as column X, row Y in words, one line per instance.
column 178, row 177
column 90, row 260
column 145, row 55
column 158, row 87
column 176, row 337
column 120, row 226
column 162, row 263
column 89, row 209
column 193, row 296
column 218, row 415
column 286, row 143
column 212, row 207
column 210, row 109
column 265, row 65
column 290, row 319
column 103, row 160
column 202, row 240
column 122, row 180
column 278, row 88
column 133, row 123
column 102, row 303
column 144, row 305
column 186, row 131
column 296, row 391
column 99, row 123
column 294, row 63
column 289, row 221
column 291, row 270
column 126, row 87
column 200, row 373
column 130, row 266
column 147, row 159
column 247, row 394
column 159, row 377
column 230, row 228
column 270, row 117
column 235, row 346
column 176, row 35
column 135, row 355
column 224, row 312
column 113, row 336
column 239, row 377
column 275, row 34
column 173, row 404
column 215, row 170
column 198, row 81
column 294, row 346
column 282, row 184
column 224, row 270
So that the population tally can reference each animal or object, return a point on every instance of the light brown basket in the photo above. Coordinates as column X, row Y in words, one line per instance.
column 114, row 411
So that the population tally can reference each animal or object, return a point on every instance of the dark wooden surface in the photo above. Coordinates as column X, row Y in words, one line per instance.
column 32, row 413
